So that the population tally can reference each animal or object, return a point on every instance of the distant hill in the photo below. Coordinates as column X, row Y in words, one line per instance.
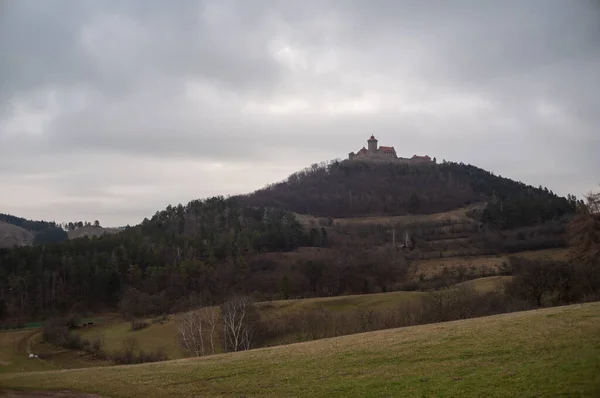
column 41, row 231
column 91, row 231
column 353, row 188
column 12, row 235
column 17, row 231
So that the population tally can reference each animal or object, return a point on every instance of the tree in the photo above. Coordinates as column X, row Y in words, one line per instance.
column 3, row 310
column 414, row 203
column 210, row 316
column 189, row 329
column 238, row 315
column 584, row 242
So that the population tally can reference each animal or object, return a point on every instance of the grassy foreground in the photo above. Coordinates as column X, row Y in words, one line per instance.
column 548, row 352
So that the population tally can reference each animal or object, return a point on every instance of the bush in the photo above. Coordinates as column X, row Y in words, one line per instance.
column 130, row 354
column 57, row 331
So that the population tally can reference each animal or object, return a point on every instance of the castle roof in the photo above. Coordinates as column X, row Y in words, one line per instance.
column 388, row 149
column 372, row 138
column 363, row 150
column 421, row 157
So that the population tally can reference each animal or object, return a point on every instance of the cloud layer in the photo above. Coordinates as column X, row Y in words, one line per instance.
column 112, row 110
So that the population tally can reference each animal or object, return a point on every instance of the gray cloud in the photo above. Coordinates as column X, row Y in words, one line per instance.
column 113, row 109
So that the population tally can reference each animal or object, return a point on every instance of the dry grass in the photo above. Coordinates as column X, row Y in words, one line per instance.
column 11, row 235
column 458, row 215
column 156, row 336
column 341, row 303
column 549, row 352
column 165, row 335
column 487, row 284
column 433, row 267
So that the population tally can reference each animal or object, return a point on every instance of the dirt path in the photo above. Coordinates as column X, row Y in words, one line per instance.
column 24, row 345
column 44, row 394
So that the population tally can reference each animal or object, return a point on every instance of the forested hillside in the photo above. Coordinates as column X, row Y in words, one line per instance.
column 357, row 188
column 200, row 247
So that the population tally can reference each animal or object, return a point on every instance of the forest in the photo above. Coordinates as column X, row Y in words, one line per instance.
column 355, row 188
column 200, row 247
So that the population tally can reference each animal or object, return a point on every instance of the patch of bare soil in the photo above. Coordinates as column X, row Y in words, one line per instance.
column 44, row 394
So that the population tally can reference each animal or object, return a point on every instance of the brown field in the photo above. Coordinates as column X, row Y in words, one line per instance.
column 433, row 267
column 487, row 284
column 452, row 215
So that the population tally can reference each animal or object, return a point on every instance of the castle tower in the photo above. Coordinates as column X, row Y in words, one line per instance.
column 372, row 144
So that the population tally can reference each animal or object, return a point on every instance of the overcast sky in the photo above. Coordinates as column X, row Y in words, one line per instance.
column 112, row 110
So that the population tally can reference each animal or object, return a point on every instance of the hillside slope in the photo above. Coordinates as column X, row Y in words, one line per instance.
column 38, row 232
column 12, row 235
column 549, row 352
column 92, row 231
column 359, row 188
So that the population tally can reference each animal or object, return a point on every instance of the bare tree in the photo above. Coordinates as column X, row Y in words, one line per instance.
column 584, row 231
column 236, row 315
column 584, row 242
column 189, row 328
column 210, row 316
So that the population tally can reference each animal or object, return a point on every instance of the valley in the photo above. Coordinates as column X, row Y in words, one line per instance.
column 550, row 351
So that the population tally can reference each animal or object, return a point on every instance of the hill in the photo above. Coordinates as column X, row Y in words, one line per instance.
column 12, row 235
column 550, row 352
column 208, row 249
column 91, row 231
column 36, row 232
column 17, row 231
column 351, row 188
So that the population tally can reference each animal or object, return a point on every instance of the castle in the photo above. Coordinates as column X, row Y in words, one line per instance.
column 385, row 153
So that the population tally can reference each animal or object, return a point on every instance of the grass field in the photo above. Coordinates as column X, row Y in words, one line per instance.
column 165, row 335
column 435, row 266
column 488, row 284
column 548, row 352
column 459, row 215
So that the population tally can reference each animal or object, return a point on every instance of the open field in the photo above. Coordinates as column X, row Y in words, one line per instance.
column 164, row 335
column 433, row 267
column 548, row 352
column 161, row 336
column 487, row 284
column 341, row 303
column 458, row 215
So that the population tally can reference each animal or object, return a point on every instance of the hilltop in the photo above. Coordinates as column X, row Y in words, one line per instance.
column 18, row 231
column 363, row 188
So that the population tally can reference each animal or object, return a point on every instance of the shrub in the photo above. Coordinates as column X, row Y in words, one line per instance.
column 130, row 354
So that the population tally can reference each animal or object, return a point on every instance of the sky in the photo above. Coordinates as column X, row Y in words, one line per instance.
column 111, row 110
